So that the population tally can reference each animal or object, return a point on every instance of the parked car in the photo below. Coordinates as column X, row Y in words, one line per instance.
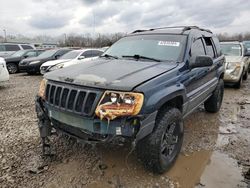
column 237, row 63
column 247, row 46
column 13, row 60
column 32, row 65
column 70, row 58
column 140, row 89
column 4, row 74
column 6, row 49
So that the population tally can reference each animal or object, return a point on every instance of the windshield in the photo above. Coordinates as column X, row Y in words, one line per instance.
column 161, row 47
column 247, row 45
column 47, row 53
column 19, row 53
column 71, row 55
column 231, row 49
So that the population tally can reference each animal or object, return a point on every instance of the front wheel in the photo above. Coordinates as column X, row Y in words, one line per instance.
column 12, row 68
column 239, row 83
column 245, row 75
column 159, row 150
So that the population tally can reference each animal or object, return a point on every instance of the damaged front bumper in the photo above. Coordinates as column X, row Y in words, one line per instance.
column 91, row 129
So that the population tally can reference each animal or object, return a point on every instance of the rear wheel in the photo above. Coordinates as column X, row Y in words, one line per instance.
column 213, row 103
column 159, row 150
column 12, row 68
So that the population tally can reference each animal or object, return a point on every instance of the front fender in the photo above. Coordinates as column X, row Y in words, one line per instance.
column 157, row 99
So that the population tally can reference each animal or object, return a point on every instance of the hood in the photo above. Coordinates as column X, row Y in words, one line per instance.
column 233, row 59
column 12, row 59
column 110, row 74
column 54, row 62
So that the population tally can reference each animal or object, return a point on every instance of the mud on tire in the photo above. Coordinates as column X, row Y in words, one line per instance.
column 168, row 133
column 213, row 103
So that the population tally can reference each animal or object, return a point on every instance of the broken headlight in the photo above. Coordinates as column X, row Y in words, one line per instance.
column 116, row 104
column 233, row 65
column 42, row 88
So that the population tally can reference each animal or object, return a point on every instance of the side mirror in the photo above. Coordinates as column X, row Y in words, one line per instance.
column 201, row 61
column 25, row 56
column 81, row 57
column 57, row 56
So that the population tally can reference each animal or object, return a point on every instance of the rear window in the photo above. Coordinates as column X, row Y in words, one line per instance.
column 217, row 46
column 26, row 47
column 11, row 47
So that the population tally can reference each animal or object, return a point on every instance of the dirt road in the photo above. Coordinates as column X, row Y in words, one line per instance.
column 216, row 150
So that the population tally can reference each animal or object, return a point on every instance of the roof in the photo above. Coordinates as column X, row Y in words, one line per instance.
column 172, row 30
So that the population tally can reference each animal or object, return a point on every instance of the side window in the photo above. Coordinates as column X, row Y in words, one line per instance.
column 26, row 47
column 209, row 46
column 217, row 46
column 11, row 47
column 87, row 54
column 97, row 53
column 31, row 54
column 197, row 49
column 39, row 52
column 2, row 48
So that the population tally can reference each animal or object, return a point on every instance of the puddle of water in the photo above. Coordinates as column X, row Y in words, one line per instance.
column 222, row 171
column 186, row 171
column 188, row 168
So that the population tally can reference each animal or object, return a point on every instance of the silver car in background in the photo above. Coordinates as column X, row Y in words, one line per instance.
column 237, row 62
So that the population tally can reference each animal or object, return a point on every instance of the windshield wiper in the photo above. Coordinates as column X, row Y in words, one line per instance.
column 108, row 56
column 136, row 56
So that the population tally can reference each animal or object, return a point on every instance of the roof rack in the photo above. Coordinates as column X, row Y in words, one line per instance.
column 184, row 28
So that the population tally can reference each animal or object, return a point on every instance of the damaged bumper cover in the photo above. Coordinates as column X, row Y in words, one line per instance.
column 91, row 129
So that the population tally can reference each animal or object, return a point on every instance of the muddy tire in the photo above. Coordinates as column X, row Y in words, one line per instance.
column 213, row 103
column 12, row 68
column 239, row 83
column 159, row 150
column 245, row 75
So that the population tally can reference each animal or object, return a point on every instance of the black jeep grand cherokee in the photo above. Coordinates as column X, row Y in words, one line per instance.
column 141, row 88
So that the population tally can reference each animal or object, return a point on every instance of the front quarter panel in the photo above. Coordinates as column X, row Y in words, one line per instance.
column 161, row 89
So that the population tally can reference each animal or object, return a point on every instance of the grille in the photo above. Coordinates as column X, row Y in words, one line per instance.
column 73, row 99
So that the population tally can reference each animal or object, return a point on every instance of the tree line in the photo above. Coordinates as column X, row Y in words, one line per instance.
column 98, row 40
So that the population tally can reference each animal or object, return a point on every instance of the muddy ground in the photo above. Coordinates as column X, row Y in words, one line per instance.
column 216, row 150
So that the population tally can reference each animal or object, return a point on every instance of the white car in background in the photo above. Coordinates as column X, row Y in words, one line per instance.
column 4, row 74
column 6, row 49
column 71, row 58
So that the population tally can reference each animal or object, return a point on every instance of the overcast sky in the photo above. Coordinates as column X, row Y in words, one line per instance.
column 56, row 17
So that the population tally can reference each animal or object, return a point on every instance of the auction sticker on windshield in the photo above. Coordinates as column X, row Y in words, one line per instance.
column 168, row 43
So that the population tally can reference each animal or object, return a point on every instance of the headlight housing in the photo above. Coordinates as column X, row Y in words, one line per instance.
column 55, row 67
column 115, row 104
column 233, row 65
column 42, row 88
column 34, row 62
